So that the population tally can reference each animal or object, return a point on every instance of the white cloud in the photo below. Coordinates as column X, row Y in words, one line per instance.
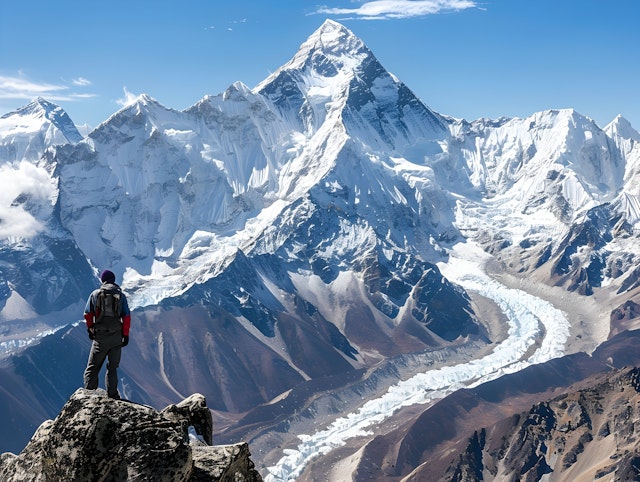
column 82, row 96
column 22, row 88
column 395, row 9
column 127, row 99
column 81, row 81
column 22, row 179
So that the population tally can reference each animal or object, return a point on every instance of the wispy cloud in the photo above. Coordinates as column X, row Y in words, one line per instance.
column 396, row 9
column 81, row 81
column 127, row 99
column 21, row 87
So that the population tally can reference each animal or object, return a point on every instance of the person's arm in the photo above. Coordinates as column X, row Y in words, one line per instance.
column 126, row 324
column 126, row 316
column 89, row 316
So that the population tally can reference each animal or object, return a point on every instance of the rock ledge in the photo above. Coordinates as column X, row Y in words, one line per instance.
column 97, row 438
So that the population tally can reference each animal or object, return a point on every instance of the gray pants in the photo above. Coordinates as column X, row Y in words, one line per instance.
column 105, row 346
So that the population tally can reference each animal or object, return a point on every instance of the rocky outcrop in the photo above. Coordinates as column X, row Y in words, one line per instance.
column 587, row 434
column 510, row 426
column 97, row 438
column 624, row 317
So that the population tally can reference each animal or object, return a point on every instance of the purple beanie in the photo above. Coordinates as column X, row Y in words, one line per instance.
column 107, row 276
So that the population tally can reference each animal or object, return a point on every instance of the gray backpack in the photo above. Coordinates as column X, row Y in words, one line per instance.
column 108, row 304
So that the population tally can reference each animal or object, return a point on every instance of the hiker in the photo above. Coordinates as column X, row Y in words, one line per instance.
column 108, row 320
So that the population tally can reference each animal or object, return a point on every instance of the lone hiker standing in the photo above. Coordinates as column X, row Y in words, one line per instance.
column 108, row 321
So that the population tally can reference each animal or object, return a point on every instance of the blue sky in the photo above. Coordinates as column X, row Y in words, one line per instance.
column 463, row 58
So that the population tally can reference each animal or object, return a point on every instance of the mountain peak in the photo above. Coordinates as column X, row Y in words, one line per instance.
column 43, row 104
column 38, row 107
column 236, row 90
column 145, row 99
column 41, row 113
column 334, row 41
column 329, row 24
column 144, row 103
column 333, row 33
column 332, row 48
column 334, row 68
column 622, row 128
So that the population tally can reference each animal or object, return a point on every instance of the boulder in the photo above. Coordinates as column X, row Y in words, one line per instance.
column 98, row 438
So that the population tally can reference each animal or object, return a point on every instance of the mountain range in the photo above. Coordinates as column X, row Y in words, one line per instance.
column 285, row 249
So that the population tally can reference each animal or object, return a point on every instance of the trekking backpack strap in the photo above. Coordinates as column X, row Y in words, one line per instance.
column 99, row 305
column 108, row 302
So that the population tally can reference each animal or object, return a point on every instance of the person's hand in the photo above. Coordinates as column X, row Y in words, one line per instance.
column 125, row 340
column 92, row 335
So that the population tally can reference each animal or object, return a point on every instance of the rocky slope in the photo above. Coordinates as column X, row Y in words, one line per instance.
column 571, row 418
column 97, row 438
column 587, row 434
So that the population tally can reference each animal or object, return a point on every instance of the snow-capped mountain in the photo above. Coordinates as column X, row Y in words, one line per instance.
column 282, row 243
column 557, row 192
column 42, row 270
column 242, row 209
column 28, row 131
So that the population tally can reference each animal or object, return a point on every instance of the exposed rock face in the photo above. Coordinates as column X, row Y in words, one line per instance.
column 624, row 317
column 588, row 434
column 97, row 438
column 460, row 437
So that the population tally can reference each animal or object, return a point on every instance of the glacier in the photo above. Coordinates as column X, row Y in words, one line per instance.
column 529, row 319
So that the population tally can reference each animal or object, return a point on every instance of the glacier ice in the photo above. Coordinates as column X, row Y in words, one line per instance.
column 529, row 318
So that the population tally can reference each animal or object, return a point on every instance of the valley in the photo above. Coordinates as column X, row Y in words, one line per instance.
column 537, row 332
column 338, row 451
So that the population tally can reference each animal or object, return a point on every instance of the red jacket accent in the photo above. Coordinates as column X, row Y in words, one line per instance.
column 88, row 317
column 126, row 322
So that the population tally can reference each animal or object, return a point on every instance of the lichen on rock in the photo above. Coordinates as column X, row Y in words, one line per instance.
column 95, row 438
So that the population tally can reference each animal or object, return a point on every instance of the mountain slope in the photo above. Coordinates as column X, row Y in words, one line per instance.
column 582, row 435
column 281, row 244
column 43, row 271
column 502, row 430
column 255, row 260
column 559, row 196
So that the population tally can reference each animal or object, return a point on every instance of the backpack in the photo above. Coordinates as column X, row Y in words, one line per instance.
column 108, row 302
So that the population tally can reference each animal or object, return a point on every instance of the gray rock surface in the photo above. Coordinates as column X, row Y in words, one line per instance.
column 95, row 438
column 585, row 434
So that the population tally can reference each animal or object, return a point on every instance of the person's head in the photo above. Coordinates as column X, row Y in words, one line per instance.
column 107, row 276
